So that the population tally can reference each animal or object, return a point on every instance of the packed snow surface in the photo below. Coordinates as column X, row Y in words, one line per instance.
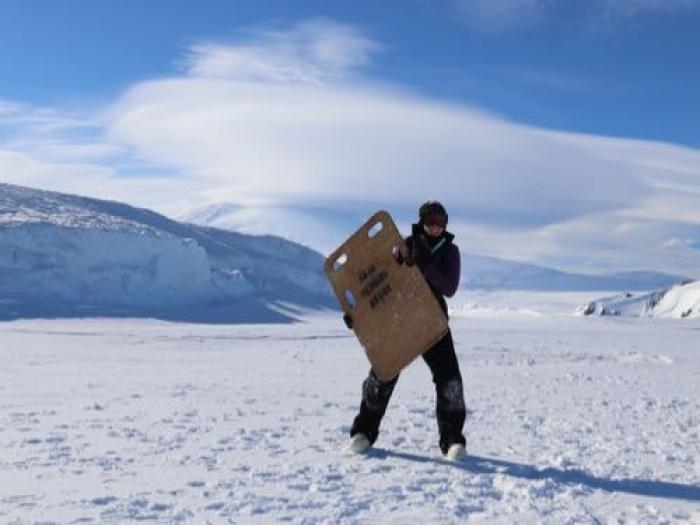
column 571, row 420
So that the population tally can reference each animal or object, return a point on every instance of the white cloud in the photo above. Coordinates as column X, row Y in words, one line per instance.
column 52, row 135
column 596, row 243
column 276, row 138
column 36, row 121
column 93, row 180
column 280, row 141
column 314, row 51
column 496, row 16
column 8, row 109
column 286, row 127
column 61, row 151
column 22, row 169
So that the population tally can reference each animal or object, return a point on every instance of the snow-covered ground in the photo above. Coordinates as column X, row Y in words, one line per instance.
column 572, row 420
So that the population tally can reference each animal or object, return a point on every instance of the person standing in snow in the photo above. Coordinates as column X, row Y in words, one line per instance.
column 432, row 250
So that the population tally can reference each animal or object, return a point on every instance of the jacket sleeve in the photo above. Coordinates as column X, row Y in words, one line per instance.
column 444, row 276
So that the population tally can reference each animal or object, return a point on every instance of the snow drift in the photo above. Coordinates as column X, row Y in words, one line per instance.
column 63, row 255
column 679, row 301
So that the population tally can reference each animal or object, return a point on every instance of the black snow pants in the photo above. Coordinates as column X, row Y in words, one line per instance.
column 450, row 409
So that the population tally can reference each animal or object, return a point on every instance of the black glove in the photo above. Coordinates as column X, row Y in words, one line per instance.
column 400, row 257
column 420, row 252
column 348, row 321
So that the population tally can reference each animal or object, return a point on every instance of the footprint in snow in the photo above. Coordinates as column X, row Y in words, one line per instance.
column 106, row 500
column 196, row 483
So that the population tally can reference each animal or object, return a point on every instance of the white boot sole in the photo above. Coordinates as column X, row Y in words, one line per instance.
column 456, row 452
column 359, row 444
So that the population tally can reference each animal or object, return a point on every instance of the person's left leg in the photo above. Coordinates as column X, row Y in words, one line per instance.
column 450, row 409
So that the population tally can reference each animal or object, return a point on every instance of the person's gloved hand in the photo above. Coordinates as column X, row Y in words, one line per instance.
column 420, row 254
column 400, row 257
column 348, row 321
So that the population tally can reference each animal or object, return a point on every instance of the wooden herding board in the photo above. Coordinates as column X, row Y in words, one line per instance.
column 394, row 313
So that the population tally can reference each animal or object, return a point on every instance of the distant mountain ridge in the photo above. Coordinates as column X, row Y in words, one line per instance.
column 65, row 255
column 490, row 273
column 479, row 272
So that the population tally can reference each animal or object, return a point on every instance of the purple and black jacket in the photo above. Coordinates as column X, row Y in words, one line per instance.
column 438, row 260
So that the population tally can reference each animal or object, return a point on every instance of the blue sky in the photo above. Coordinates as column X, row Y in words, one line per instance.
column 560, row 133
column 631, row 72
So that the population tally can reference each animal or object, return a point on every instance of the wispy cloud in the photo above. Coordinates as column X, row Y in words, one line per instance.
column 314, row 51
column 22, row 119
column 27, row 128
column 67, row 151
column 497, row 16
column 634, row 7
column 20, row 168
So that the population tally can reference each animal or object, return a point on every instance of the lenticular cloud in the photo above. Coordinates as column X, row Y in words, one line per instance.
column 290, row 117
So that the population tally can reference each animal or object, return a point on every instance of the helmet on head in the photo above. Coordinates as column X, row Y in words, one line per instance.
column 433, row 212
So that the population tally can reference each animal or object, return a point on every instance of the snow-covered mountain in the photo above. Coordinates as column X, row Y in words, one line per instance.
column 64, row 255
column 680, row 301
column 478, row 272
column 491, row 273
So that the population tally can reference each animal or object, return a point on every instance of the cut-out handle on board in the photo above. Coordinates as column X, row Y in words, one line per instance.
column 375, row 229
column 340, row 262
column 350, row 299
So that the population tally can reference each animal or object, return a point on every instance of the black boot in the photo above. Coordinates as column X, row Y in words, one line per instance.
column 375, row 398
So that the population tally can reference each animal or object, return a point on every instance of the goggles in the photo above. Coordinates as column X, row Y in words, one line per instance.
column 435, row 219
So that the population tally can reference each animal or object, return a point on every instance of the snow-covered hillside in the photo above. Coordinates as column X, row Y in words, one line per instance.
column 679, row 301
column 67, row 255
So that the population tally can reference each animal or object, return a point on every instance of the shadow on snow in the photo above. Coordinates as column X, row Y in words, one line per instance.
column 256, row 310
column 481, row 465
